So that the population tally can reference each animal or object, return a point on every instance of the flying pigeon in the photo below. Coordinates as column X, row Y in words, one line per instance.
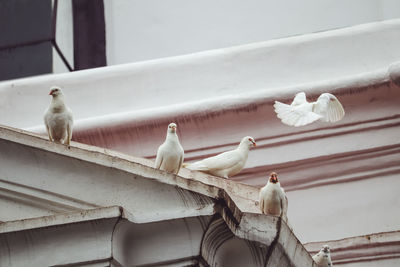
column 58, row 118
column 300, row 112
column 273, row 199
column 228, row 163
column 323, row 257
column 170, row 153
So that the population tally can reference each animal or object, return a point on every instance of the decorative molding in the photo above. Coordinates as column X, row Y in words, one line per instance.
column 219, row 234
column 267, row 142
column 102, row 226
column 371, row 248
column 188, row 261
column 110, row 132
column 42, row 199
column 282, row 141
column 91, row 263
column 301, row 174
column 216, row 234
column 60, row 219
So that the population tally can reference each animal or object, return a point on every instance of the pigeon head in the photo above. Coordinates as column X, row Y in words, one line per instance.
column 55, row 91
column 172, row 127
column 273, row 177
column 325, row 249
column 249, row 141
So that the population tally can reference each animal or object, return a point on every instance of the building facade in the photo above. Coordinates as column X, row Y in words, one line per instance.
column 341, row 179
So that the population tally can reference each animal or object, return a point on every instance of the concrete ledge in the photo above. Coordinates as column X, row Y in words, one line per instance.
column 173, row 198
column 244, row 195
column 60, row 219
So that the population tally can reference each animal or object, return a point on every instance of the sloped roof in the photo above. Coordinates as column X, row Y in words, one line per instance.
column 77, row 184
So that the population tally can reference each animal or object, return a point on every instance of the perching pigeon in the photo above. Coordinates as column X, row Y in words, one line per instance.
column 228, row 163
column 58, row 118
column 170, row 153
column 300, row 112
column 273, row 199
column 323, row 257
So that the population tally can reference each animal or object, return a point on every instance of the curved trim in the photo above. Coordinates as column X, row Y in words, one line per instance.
column 216, row 235
column 217, row 106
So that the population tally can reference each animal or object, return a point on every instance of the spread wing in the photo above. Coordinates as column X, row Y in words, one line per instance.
column 300, row 98
column 295, row 115
column 329, row 107
column 219, row 162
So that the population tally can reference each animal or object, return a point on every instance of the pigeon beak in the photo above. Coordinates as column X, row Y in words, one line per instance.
column 51, row 92
column 254, row 144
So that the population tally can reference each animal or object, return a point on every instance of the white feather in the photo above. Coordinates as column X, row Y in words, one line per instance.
column 297, row 115
column 225, row 164
column 323, row 257
column 58, row 119
column 300, row 112
column 299, row 99
column 329, row 107
column 170, row 154
column 273, row 200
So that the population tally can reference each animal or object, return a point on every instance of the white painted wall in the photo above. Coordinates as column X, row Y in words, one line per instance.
column 353, row 208
column 64, row 37
column 239, row 73
column 141, row 30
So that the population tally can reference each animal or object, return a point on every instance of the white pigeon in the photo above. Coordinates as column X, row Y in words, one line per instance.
column 228, row 163
column 58, row 118
column 273, row 200
column 323, row 257
column 170, row 153
column 300, row 112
